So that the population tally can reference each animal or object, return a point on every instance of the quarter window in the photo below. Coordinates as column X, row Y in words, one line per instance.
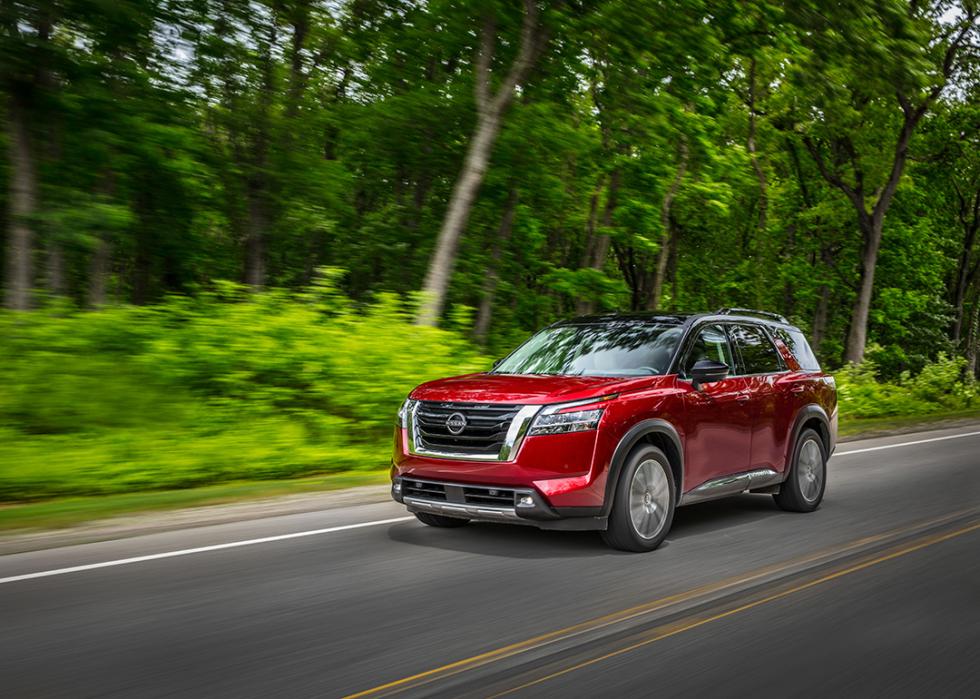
column 800, row 348
column 758, row 354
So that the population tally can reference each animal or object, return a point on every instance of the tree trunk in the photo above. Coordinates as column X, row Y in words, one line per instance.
column 970, row 220
column 258, row 183
column 590, row 223
column 56, row 269
column 255, row 240
column 760, row 173
column 142, row 268
column 490, row 111
column 820, row 317
column 600, row 243
column 23, row 203
column 460, row 206
column 601, row 248
column 871, row 222
column 667, row 235
column 973, row 341
column 98, row 274
column 485, row 314
column 871, row 228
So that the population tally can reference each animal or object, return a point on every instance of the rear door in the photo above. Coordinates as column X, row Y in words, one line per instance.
column 761, row 366
column 718, row 415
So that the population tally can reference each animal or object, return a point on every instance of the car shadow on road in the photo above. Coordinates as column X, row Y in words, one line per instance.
column 709, row 517
column 516, row 541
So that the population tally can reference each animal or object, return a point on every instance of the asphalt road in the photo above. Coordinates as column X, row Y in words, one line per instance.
column 875, row 594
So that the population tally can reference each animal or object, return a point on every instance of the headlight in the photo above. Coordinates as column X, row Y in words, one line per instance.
column 404, row 412
column 559, row 419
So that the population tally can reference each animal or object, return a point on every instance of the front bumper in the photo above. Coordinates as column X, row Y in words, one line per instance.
column 556, row 467
column 489, row 503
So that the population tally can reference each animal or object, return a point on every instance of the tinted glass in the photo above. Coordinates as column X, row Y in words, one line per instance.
column 608, row 349
column 711, row 342
column 759, row 355
column 800, row 348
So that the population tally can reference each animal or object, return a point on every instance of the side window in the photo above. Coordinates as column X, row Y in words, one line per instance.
column 758, row 354
column 711, row 342
column 800, row 348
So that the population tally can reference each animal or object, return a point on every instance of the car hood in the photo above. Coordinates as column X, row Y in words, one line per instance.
column 531, row 389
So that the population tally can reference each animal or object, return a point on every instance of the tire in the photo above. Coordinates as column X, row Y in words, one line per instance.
column 803, row 489
column 440, row 521
column 643, row 502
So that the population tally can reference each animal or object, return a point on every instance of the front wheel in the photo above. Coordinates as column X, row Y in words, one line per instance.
column 803, row 489
column 440, row 521
column 643, row 502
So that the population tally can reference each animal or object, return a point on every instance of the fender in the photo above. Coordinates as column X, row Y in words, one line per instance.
column 625, row 446
column 808, row 412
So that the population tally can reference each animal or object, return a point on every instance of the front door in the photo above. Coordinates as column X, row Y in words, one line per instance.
column 718, row 415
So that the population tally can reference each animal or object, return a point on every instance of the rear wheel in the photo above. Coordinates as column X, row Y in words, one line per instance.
column 803, row 489
column 644, row 502
column 440, row 521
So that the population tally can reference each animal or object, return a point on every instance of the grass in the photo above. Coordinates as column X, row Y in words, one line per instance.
column 869, row 427
column 66, row 512
column 71, row 511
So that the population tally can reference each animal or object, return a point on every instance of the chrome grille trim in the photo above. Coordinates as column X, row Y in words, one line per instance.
column 512, row 438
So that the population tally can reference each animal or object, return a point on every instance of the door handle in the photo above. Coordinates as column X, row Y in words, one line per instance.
column 742, row 398
column 796, row 389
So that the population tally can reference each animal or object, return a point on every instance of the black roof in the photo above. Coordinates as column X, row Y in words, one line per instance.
column 741, row 314
column 632, row 316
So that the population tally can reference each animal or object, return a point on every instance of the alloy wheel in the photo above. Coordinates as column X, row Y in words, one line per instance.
column 649, row 499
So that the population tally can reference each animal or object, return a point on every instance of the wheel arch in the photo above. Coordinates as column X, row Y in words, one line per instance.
column 656, row 432
column 814, row 417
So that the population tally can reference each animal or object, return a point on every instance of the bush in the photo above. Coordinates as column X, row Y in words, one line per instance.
column 941, row 385
column 230, row 385
column 234, row 385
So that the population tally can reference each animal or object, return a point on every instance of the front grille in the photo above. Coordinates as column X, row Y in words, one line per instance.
column 484, row 433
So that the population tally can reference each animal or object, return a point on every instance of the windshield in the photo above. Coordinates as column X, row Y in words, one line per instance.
column 620, row 349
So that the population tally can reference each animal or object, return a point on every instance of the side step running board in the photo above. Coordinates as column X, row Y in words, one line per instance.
column 732, row 485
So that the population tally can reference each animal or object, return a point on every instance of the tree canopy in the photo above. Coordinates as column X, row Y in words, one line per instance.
column 526, row 159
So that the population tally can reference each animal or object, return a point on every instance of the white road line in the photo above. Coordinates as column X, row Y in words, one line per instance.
column 199, row 549
column 907, row 444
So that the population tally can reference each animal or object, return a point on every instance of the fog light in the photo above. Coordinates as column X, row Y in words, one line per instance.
column 396, row 487
column 525, row 501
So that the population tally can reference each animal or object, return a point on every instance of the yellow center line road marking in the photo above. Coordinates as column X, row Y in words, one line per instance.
column 647, row 608
column 669, row 630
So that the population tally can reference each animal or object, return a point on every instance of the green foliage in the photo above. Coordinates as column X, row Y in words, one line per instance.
column 176, row 144
column 229, row 385
column 940, row 386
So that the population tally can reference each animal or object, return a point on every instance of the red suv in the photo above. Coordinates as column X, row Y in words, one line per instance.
column 611, row 422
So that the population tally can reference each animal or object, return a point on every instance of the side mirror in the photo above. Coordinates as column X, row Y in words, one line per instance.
column 708, row 371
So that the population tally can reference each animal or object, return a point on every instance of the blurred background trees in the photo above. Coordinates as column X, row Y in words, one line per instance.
column 527, row 160
column 219, row 215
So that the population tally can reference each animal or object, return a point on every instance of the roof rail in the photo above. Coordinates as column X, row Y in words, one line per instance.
column 751, row 312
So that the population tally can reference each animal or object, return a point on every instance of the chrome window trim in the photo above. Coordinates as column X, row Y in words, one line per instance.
column 512, row 441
